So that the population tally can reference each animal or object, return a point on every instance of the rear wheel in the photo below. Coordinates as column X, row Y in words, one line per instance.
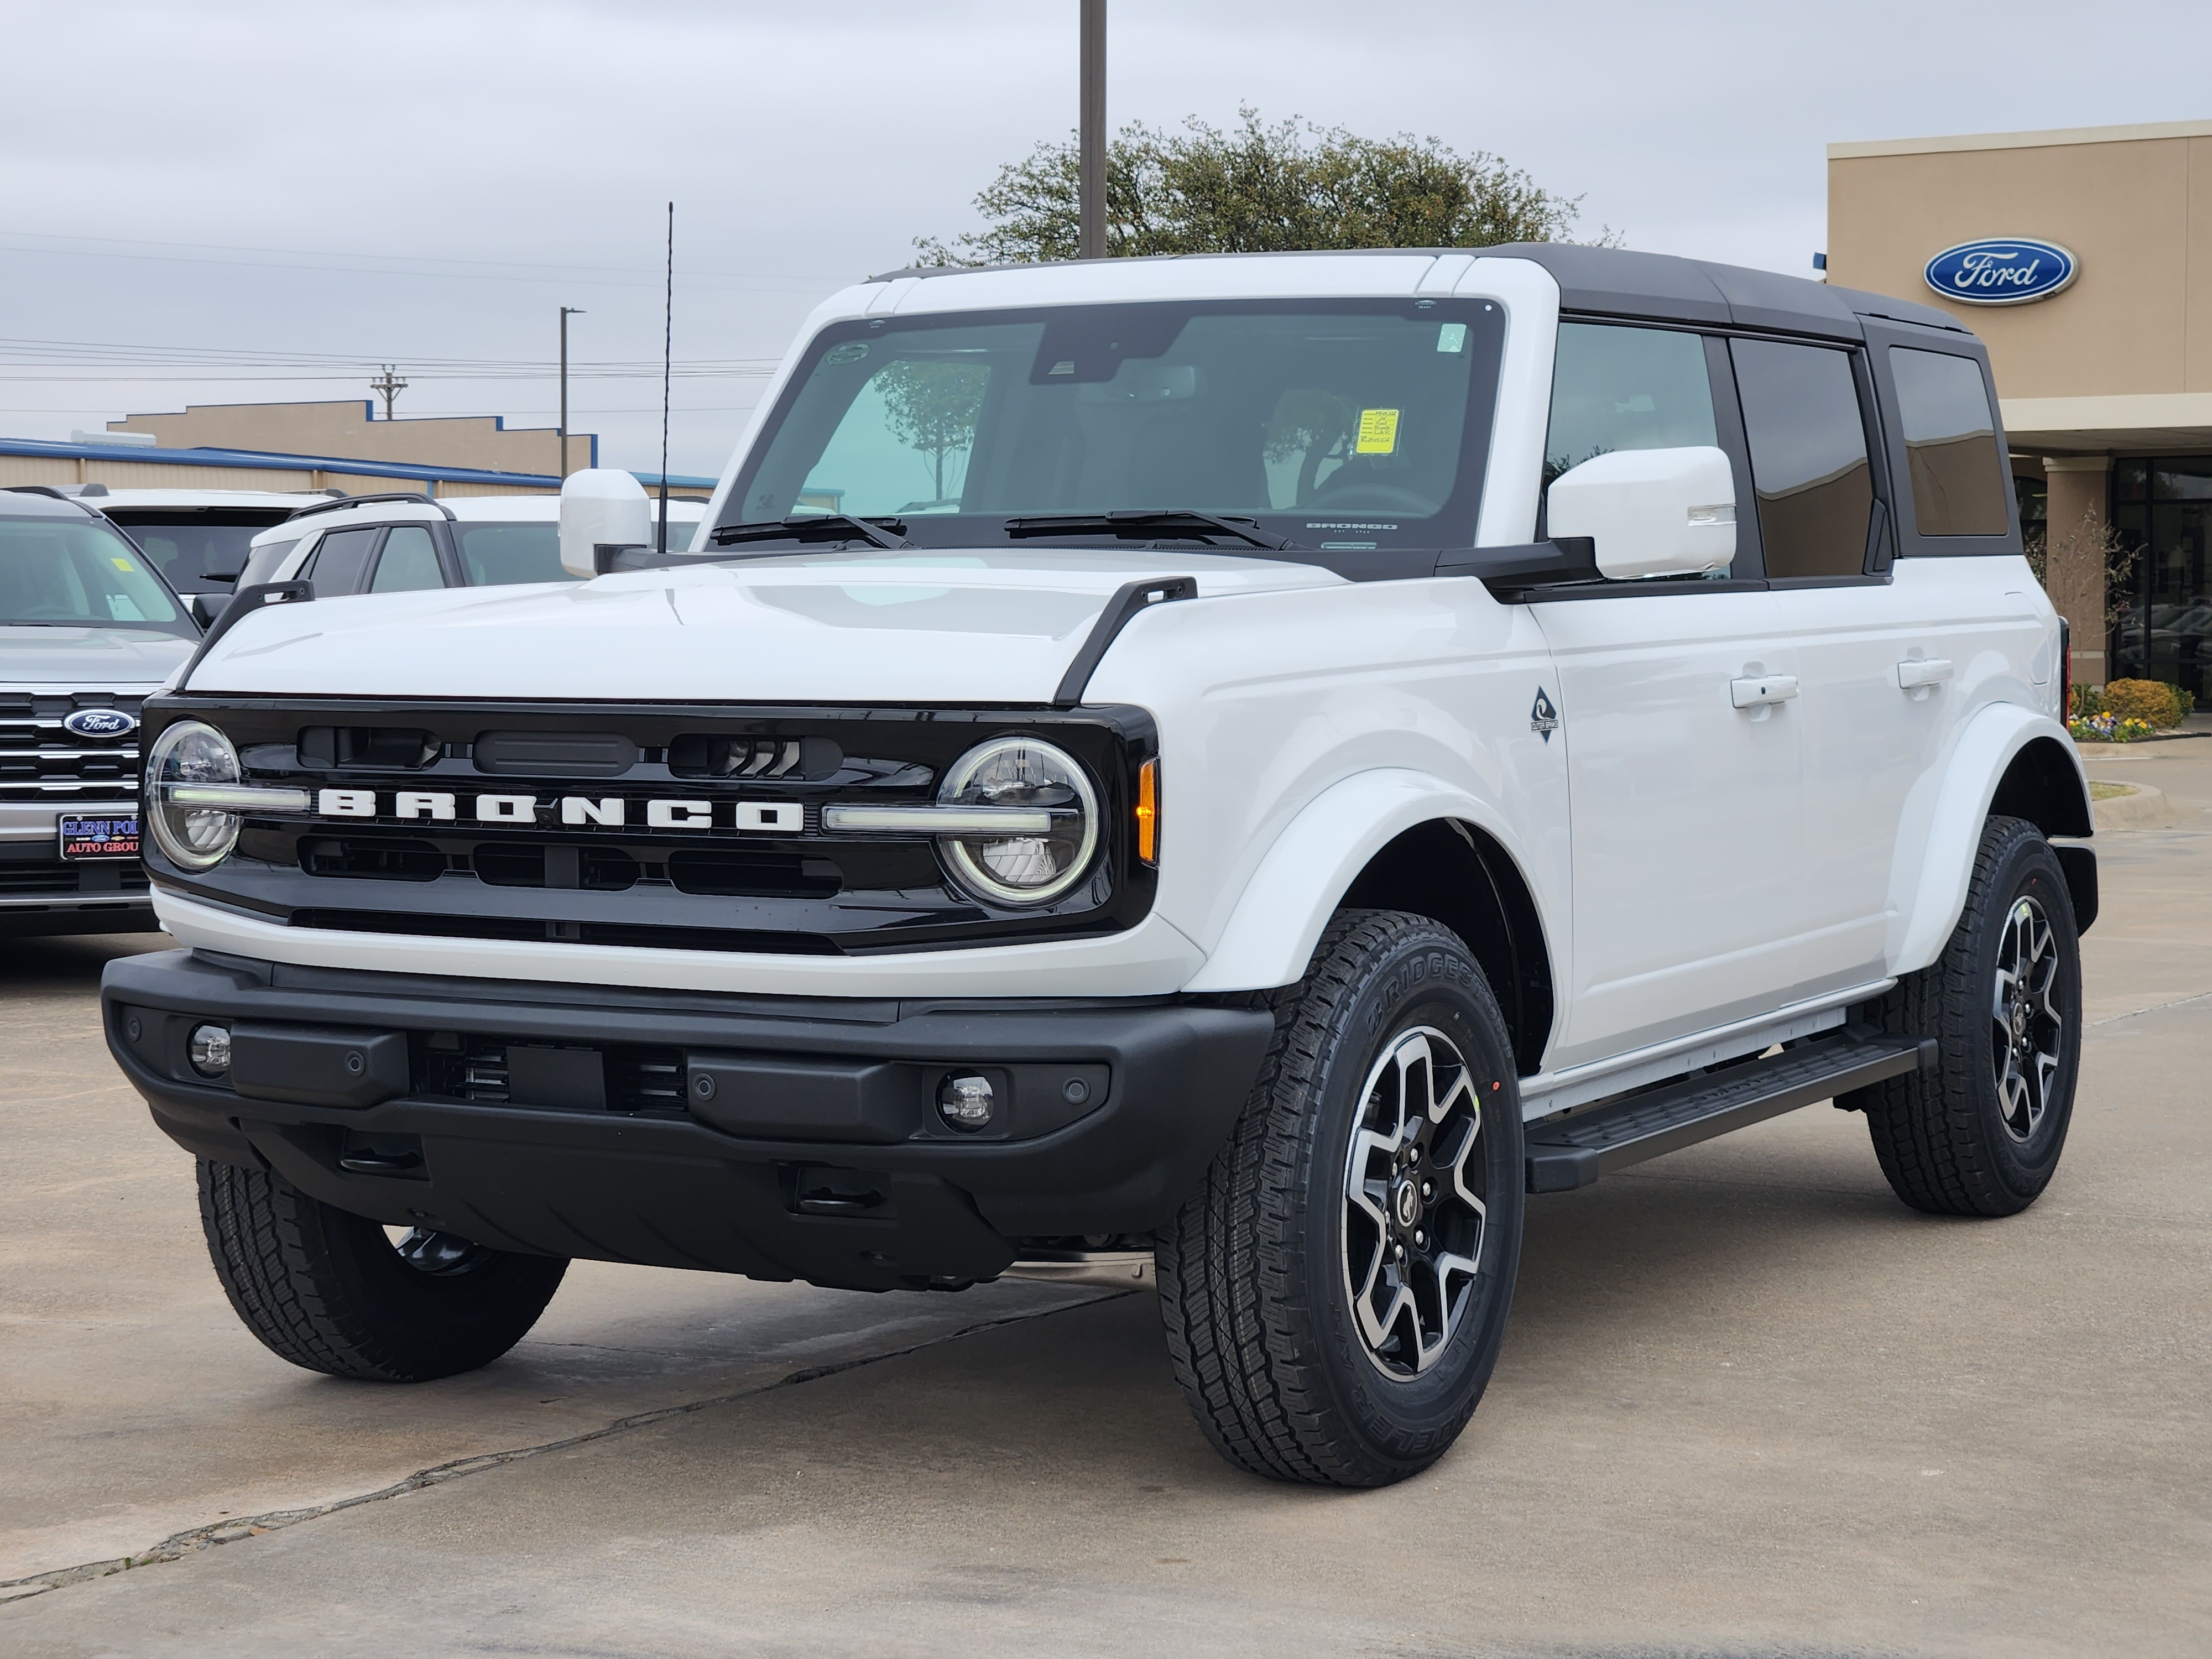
column 339, row 1294
column 1981, row 1132
column 1336, row 1293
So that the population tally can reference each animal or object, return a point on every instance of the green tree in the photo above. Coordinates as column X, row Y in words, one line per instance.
column 932, row 405
column 1258, row 189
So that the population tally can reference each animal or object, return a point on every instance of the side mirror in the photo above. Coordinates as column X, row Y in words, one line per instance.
column 205, row 608
column 601, row 507
column 1651, row 511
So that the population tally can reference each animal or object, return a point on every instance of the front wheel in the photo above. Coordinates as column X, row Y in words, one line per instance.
column 336, row 1293
column 1336, row 1292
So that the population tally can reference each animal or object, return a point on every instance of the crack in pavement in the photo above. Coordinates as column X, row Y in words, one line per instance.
column 231, row 1530
column 2155, row 1008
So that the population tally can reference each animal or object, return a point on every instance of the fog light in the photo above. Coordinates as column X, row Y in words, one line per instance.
column 966, row 1103
column 211, row 1049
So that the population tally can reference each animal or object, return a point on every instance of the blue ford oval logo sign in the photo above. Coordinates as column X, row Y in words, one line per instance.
column 2002, row 270
column 99, row 723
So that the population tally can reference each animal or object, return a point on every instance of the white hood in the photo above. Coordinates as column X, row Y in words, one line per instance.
column 932, row 626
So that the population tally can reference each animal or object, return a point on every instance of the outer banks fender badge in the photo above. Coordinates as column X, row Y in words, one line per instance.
column 1542, row 716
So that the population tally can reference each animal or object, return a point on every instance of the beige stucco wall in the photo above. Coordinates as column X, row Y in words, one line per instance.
column 2133, row 205
column 345, row 429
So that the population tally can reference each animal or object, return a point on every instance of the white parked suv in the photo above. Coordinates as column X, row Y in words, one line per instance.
column 1271, row 761
column 403, row 543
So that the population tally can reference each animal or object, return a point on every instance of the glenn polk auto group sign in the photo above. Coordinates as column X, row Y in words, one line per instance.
column 2002, row 270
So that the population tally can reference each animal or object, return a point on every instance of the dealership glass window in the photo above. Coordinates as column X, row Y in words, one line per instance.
column 1808, row 457
column 1950, row 444
column 2160, row 593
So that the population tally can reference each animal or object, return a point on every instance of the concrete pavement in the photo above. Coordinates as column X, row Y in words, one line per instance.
column 1749, row 1404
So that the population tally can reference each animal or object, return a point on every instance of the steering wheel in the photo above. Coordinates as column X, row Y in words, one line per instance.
column 1372, row 496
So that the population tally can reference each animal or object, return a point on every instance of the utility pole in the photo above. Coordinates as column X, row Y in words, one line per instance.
column 390, row 386
column 1092, row 132
column 567, row 312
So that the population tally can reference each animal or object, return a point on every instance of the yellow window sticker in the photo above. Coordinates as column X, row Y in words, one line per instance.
column 121, row 564
column 1378, row 432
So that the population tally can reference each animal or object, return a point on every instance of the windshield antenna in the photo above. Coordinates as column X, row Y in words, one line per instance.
column 667, row 346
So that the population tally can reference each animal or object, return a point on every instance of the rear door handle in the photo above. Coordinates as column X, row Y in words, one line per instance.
column 1758, row 690
column 1923, row 673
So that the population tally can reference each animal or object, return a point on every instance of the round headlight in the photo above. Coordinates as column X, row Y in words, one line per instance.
column 1029, row 868
column 192, row 837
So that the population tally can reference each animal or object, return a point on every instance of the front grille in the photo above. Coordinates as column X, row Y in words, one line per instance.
column 584, row 845
column 42, row 761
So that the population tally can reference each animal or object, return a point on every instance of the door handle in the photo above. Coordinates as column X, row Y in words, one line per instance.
column 1922, row 675
column 1757, row 691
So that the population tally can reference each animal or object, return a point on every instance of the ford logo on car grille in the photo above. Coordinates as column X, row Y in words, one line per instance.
column 2002, row 270
column 99, row 723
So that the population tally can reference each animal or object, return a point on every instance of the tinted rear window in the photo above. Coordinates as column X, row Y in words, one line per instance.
column 1959, row 479
column 180, row 542
column 1808, row 457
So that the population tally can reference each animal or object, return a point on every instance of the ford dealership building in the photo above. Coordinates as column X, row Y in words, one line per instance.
column 2084, row 259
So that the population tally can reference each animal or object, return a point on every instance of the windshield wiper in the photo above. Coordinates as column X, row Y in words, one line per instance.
column 888, row 532
column 1141, row 519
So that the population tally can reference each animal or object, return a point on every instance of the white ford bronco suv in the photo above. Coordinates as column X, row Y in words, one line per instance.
column 1243, row 767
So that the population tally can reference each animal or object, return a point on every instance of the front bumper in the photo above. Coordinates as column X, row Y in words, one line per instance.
column 779, row 1137
column 42, row 893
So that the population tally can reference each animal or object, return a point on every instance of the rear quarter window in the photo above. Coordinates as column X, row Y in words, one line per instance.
column 1959, row 478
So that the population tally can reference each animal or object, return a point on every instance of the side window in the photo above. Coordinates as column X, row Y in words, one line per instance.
column 339, row 561
column 1951, row 444
column 1625, row 388
column 1808, row 457
column 408, row 563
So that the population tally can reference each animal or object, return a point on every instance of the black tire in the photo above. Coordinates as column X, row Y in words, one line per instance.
column 1959, row 1139
column 1256, row 1273
column 331, row 1293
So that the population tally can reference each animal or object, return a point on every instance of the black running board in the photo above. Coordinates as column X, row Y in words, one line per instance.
column 1574, row 1151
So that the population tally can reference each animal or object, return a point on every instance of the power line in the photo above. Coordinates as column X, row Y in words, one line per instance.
column 384, row 265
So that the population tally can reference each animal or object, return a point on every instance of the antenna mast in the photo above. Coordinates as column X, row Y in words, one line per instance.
column 667, row 348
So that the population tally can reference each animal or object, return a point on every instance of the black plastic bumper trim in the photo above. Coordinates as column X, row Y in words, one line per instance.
column 670, row 1187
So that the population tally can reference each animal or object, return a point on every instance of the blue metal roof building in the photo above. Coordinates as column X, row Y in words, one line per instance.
column 37, row 460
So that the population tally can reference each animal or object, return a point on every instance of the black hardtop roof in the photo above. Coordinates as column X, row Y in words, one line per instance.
column 1657, row 287
column 1623, row 282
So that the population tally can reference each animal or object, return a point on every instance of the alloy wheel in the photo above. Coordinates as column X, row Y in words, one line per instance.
column 1415, row 1189
column 2027, row 1028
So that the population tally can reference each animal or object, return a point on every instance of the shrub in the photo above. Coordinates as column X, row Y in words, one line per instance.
column 2148, row 701
column 2087, row 699
column 2187, row 700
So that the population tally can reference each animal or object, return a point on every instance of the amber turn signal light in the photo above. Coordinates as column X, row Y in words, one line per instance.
column 1148, row 812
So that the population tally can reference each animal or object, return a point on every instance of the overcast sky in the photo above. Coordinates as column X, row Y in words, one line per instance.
column 220, row 185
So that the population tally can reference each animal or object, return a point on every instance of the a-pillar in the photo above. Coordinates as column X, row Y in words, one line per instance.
column 2076, row 520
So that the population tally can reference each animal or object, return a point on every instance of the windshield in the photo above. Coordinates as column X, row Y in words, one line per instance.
column 1332, row 423
column 182, row 541
column 504, row 555
column 64, row 573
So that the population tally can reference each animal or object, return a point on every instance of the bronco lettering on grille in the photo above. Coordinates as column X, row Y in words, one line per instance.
column 751, row 817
